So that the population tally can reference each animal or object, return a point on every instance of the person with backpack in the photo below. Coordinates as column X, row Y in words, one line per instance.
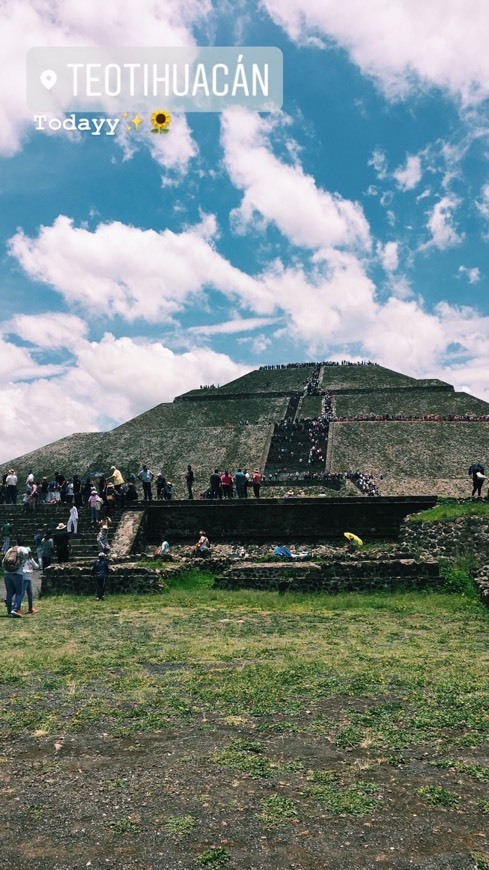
column 100, row 569
column 12, row 564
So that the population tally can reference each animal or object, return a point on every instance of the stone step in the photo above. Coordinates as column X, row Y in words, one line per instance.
column 334, row 576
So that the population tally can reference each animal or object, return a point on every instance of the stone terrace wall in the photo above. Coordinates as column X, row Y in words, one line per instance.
column 416, row 402
column 342, row 575
column 448, row 539
column 280, row 520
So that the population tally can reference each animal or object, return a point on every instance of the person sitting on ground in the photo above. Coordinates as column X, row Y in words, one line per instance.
column 131, row 493
column 160, row 486
column 163, row 549
column 202, row 547
column 100, row 569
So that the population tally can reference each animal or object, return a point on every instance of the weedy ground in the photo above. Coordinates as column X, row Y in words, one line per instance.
column 203, row 728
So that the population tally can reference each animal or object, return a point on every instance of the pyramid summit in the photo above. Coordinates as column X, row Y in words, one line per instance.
column 414, row 437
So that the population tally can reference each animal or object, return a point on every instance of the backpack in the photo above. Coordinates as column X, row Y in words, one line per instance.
column 12, row 560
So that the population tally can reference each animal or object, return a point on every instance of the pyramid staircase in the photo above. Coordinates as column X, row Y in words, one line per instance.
column 76, row 575
column 289, row 449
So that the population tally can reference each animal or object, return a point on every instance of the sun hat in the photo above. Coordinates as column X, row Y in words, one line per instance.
column 60, row 526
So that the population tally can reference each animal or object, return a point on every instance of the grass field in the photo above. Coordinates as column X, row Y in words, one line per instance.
column 201, row 728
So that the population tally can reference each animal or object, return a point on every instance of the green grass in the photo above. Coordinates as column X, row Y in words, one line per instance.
column 438, row 796
column 214, row 858
column 199, row 654
column 180, row 825
column 277, row 811
column 451, row 509
column 355, row 799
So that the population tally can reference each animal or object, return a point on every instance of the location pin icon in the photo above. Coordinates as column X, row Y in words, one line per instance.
column 48, row 79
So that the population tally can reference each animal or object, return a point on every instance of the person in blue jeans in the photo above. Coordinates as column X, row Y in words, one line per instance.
column 13, row 562
column 28, row 567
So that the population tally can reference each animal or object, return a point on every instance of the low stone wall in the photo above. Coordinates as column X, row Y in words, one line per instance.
column 481, row 580
column 130, row 578
column 350, row 575
column 448, row 539
column 452, row 539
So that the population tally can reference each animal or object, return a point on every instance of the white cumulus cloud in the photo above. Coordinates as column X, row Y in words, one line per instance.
column 441, row 226
column 410, row 175
column 282, row 193
column 26, row 24
column 401, row 42
column 133, row 273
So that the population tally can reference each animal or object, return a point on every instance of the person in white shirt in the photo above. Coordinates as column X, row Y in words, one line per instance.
column 28, row 567
column 72, row 524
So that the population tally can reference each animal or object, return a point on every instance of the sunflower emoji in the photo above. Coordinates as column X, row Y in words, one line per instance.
column 160, row 121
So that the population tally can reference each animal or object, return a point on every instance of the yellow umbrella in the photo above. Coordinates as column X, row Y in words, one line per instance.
column 354, row 539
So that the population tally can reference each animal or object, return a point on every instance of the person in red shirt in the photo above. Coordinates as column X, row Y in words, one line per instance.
column 257, row 479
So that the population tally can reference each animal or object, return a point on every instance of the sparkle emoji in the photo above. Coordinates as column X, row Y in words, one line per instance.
column 160, row 121
column 134, row 122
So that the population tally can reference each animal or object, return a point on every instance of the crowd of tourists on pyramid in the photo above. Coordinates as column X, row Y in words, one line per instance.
column 450, row 418
column 302, row 365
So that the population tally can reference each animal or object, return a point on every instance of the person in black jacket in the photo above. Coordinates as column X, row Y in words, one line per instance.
column 100, row 569
column 61, row 539
column 478, row 477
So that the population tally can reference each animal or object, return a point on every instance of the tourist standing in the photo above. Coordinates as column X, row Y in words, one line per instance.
column 240, row 481
column 73, row 520
column 215, row 482
column 11, row 487
column 257, row 479
column 7, row 536
column 146, row 476
column 227, row 484
column 47, row 551
column 12, row 565
column 189, row 480
column 100, row 569
column 27, row 570
column 61, row 540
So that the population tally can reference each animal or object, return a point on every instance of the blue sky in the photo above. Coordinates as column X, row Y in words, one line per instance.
column 353, row 223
